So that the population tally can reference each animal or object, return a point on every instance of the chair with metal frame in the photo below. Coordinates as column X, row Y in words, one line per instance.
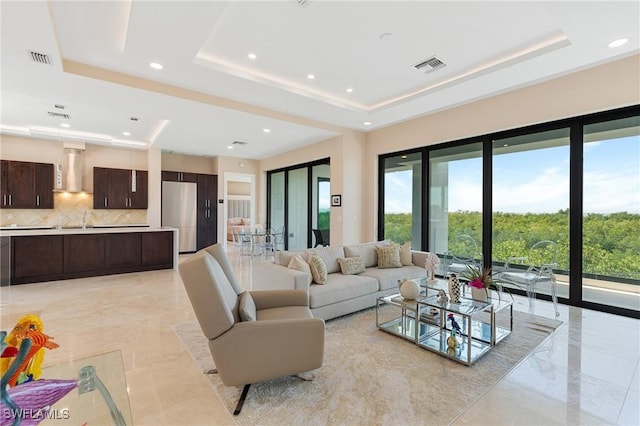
column 322, row 237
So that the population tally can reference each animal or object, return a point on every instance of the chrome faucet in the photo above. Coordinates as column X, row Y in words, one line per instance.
column 84, row 221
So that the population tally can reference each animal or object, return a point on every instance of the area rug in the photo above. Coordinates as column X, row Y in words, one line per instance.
column 371, row 377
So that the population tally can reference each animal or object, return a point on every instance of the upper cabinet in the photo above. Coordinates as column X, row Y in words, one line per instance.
column 120, row 188
column 179, row 176
column 25, row 185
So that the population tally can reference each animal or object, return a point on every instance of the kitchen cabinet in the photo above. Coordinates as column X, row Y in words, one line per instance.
column 179, row 176
column 112, row 189
column 122, row 250
column 37, row 258
column 207, row 211
column 25, row 185
column 157, row 249
column 83, row 253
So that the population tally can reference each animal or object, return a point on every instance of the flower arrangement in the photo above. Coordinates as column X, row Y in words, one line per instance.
column 431, row 264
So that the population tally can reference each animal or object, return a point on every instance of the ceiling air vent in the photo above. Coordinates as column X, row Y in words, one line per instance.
column 58, row 114
column 430, row 64
column 238, row 143
column 40, row 58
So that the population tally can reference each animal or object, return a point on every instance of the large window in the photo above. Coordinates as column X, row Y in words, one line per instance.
column 611, row 212
column 298, row 200
column 572, row 185
column 403, row 198
column 455, row 201
column 531, row 201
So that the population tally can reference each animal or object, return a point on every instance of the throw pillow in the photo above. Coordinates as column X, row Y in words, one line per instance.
column 246, row 307
column 351, row 265
column 405, row 254
column 299, row 264
column 318, row 269
column 388, row 256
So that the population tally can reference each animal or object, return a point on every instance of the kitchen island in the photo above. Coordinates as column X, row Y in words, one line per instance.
column 37, row 255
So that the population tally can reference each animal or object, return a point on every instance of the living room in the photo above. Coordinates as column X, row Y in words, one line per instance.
column 136, row 313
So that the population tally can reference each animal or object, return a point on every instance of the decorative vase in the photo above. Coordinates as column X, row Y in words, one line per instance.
column 409, row 289
column 479, row 294
column 454, row 288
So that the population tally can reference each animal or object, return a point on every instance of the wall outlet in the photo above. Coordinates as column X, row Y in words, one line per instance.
column 128, row 216
column 9, row 216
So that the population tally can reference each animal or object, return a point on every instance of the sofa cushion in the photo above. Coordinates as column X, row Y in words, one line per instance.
column 339, row 288
column 388, row 256
column 330, row 256
column 351, row 265
column 366, row 251
column 388, row 278
column 405, row 254
column 283, row 257
column 299, row 264
column 318, row 269
column 234, row 221
column 247, row 307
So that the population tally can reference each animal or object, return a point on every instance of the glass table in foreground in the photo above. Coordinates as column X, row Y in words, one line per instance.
column 101, row 396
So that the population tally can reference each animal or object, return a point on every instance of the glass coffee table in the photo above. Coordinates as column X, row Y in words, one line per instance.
column 101, row 396
column 425, row 322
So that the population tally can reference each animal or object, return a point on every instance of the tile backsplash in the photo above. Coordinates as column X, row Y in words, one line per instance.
column 69, row 211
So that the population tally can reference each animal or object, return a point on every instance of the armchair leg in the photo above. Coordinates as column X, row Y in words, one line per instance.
column 243, row 396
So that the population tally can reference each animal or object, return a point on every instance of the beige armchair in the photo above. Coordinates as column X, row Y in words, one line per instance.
column 253, row 336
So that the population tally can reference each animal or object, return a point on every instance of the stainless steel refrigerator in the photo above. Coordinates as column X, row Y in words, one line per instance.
column 179, row 203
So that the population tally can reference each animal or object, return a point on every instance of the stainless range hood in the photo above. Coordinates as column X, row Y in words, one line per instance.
column 69, row 175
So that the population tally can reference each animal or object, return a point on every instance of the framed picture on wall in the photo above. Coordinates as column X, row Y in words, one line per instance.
column 336, row 200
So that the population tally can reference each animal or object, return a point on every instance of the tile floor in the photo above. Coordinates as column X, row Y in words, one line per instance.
column 587, row 372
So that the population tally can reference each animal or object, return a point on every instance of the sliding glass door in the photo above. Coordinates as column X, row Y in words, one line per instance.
column 402, row 203
column 455, row 201
column 298, row 199
column 611, row 213
column 531, row 201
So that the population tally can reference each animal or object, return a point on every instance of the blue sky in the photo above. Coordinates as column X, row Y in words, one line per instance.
column 538, row 181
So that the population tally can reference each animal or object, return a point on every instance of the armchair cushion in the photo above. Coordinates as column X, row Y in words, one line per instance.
column 247, row 307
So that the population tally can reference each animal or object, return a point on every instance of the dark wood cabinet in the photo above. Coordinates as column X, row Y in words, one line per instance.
column 139, row 199
column 112, row 189
column 25, row 185
column 55, row 257
column 44, row 185
column 179, row 176
column 83, row 253
column 157, row 249
column 34, row 258
column 207, row 211
column 122, row 250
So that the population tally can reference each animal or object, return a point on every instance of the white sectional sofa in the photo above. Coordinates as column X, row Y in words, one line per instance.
column 341, row 294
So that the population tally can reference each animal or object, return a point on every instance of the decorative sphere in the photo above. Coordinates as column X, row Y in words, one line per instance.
column 409, row 289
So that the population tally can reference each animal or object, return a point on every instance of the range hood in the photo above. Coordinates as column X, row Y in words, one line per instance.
column 69, row 175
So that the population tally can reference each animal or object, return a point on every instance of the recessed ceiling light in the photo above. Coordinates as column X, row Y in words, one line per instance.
column 619, row 42
column 311, row 76
column 386, row 36
column 133, row 118
column 252, row 56
column 65, row 125
column 156, row 66
column 349, row 90
column 126, row 133
column 367, row 123
column 266, row 130
column 229, row 147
